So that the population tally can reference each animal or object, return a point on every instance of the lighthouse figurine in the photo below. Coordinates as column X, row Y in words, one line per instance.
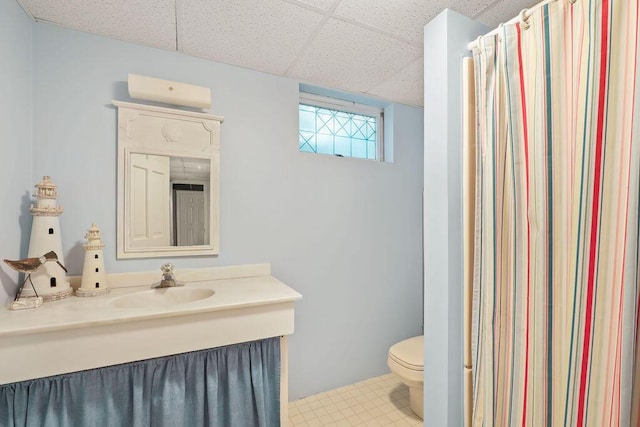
column 94, row 278
column 50, row 282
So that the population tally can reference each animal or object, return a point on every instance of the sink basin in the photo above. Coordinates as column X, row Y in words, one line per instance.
column 162, row 297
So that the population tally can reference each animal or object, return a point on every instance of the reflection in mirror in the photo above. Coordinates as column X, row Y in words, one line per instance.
column 170, row 201
column 168, row 182
column 190, row 201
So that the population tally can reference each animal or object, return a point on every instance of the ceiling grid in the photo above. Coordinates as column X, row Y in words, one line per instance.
column 371, row 47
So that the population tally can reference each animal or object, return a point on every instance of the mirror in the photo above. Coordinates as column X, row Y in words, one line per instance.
column 168, row 182
column 169, row 200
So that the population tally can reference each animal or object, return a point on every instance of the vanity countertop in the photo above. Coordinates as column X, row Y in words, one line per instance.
column 81, row 312
column 78, row 333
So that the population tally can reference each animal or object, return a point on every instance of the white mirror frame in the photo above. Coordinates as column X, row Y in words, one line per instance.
column 167, row 132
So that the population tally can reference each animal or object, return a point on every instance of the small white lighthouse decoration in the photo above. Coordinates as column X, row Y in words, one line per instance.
column 94, row 278
column 50, row 281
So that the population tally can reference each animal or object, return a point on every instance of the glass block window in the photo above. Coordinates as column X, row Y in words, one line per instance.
column 342, row 129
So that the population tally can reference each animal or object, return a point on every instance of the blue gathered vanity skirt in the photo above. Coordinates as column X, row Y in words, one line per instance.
column 237, row 385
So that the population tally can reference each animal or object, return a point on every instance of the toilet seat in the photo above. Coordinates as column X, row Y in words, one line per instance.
column 409, row 353
column 407, row 361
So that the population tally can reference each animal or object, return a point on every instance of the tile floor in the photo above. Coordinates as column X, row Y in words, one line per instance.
column 379, row 401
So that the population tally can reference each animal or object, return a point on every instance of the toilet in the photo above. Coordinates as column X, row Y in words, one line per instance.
column 406, row 360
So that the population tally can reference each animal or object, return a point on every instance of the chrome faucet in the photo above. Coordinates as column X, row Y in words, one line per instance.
column 168, row 278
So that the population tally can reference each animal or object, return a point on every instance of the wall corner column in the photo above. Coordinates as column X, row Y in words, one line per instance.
column 445, row 44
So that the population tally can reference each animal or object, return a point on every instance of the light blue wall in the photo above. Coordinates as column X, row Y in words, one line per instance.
column 445, row 44
column 15, row 140
column 346, row 233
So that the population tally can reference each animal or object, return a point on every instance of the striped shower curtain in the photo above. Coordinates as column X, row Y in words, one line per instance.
column 557, row 237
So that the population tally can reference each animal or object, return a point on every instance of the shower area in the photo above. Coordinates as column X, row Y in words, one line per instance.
column 551, row 196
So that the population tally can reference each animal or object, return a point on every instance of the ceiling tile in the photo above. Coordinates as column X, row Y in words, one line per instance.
column 265, row 35
column 149, row 22
column 470, row 8
column 349, row 57
column 405, row 19
column 320, row 4
column 406, row 86
column 503, row 11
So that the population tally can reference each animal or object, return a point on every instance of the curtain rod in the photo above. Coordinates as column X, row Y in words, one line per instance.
column 523, row 16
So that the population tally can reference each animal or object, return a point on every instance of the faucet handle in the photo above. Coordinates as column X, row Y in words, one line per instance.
column 167, row 269
column 168, row 278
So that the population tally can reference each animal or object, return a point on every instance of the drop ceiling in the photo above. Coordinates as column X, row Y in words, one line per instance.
column 371, row 47
column 189, row 169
